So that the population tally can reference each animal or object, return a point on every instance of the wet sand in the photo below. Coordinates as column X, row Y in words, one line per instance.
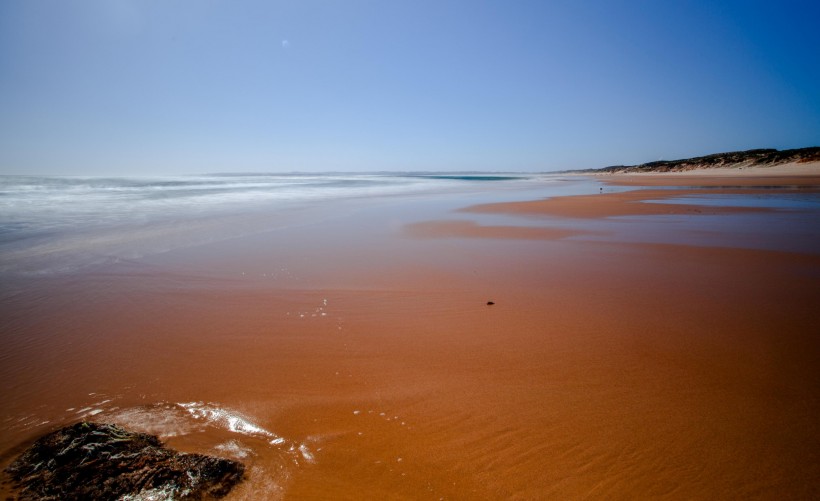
column 629, row 203
column 785, row 179
column 616, row 369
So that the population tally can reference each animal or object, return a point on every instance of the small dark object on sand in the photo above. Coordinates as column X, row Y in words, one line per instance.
column 490, row 303
column 105, row 461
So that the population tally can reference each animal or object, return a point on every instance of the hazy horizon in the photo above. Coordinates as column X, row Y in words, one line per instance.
column 122, row 88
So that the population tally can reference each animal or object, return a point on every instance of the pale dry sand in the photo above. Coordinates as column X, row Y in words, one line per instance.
column 788, row 174
column 615, row 370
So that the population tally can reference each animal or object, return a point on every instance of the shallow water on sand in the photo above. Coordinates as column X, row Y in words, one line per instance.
column 343, row 358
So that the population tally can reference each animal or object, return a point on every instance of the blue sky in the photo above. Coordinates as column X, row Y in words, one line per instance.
column 120, row 87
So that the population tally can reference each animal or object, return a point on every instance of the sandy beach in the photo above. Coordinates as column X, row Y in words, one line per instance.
column 396, row 250
column 786, row 178
column 633, row 350
column 800, row 173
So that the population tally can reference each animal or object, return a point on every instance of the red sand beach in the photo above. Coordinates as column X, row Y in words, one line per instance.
column 605, row 369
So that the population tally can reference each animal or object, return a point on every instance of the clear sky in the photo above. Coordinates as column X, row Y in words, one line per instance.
column 121, row 87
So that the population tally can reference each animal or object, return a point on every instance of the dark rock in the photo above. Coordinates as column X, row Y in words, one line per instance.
column 105, row 461
column 490, row 303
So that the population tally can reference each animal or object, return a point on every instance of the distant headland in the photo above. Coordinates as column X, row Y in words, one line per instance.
column 734, row 159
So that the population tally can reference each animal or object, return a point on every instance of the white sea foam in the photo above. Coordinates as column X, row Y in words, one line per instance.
column 235, row 449
column 235, row 422
column 163, row 420
column 230, row 420
column 306, row 453
column 185, row 418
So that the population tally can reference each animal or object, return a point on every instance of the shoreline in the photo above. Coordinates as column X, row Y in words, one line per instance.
column 772, row 181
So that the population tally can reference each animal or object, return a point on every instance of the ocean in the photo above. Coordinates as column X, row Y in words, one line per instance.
column 64, row 224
